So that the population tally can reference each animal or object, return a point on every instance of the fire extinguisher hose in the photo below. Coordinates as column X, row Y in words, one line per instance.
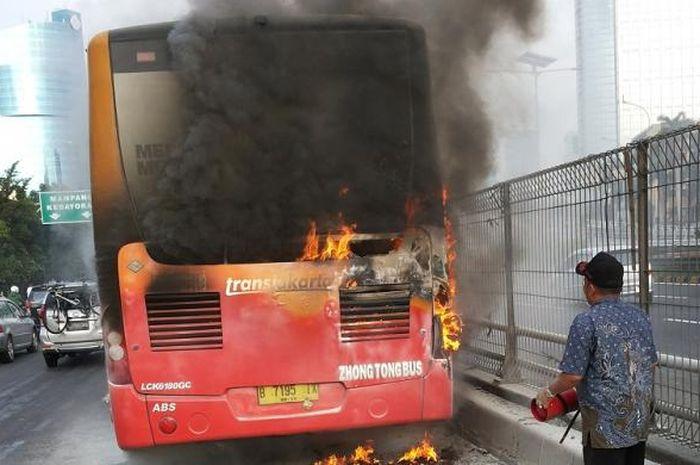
column 568, row 428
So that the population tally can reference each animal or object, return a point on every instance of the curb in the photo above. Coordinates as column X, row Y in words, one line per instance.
column 659, row 449
column 508, row 431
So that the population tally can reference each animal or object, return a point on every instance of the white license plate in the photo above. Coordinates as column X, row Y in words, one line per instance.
column 78, row 325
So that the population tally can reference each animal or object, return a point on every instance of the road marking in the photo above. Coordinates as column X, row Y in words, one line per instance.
column 671, row 297
column 43, row 425
column 680, row 320
column 669, row 283
column 10, row 448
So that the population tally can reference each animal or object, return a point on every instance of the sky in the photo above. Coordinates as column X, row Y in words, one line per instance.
column 509, row 97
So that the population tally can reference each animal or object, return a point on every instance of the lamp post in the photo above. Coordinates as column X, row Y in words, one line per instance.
column 537, row 64
column 636, row 105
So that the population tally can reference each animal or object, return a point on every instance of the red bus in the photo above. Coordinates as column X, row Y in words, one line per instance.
column 257, row 332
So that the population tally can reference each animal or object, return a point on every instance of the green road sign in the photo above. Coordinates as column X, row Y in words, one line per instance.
column 65, row 207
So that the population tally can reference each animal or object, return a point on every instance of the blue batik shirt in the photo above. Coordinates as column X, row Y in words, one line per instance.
column 612, row 347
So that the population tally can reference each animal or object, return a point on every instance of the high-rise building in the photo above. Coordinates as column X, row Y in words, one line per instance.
column 597, row 75
column 637, row 62
column 43, row 100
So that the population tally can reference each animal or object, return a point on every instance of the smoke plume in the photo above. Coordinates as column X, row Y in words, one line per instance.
column 459, row 32
column 257, row 163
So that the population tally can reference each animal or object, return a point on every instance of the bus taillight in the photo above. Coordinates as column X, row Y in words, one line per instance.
column 117, row 360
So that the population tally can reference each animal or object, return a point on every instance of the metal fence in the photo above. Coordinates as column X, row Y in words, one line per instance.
column 520, row 240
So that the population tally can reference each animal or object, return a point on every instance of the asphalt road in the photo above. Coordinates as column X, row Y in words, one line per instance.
column 59, row 416
column 674, row 312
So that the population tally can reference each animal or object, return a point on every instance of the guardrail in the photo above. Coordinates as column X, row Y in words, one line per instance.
column 520, row 240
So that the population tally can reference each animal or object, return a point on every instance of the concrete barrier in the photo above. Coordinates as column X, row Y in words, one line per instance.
column 496, row 417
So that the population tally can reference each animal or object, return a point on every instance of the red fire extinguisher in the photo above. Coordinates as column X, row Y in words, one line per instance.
column 559, row 405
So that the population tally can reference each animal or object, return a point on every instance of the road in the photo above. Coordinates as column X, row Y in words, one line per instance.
column 674, row 312
column 59, row 416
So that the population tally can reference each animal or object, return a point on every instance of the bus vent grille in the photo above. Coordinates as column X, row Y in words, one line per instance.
column 184, row 321
column 371, row 313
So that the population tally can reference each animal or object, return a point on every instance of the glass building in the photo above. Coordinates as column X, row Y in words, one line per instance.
column 43, row 101
column 637, row 62
column 597, row 76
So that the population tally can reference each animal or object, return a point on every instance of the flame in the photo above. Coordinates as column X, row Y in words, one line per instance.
column 332, row 460
column 422, row 453
column 451, row 325
column 363, row 455
column 411, row 208
column 336, row 247
column 444, row 305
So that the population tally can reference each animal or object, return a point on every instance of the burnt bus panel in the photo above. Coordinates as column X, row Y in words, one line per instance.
column 113, row 216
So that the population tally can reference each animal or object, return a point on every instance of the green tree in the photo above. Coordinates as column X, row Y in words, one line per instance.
column 22, row 239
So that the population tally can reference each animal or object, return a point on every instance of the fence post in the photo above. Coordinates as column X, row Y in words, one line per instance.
column 509, row 371
column 643, row 223
column 631, row 205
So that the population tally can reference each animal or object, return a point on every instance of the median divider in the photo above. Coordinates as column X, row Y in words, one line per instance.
column 497, row 417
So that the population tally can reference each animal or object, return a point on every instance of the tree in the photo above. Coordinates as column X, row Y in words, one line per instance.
column 22, row 253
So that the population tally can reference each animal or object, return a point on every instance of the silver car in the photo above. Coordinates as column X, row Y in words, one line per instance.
column 16, row 331
column 82, row 334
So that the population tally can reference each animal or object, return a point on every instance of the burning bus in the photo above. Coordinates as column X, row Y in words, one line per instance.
column 269, row 228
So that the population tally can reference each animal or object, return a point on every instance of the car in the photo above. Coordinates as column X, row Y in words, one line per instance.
column 16, row 331
column 36, row 295
column 82, row 334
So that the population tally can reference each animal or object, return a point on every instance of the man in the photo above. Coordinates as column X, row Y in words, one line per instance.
column 610, row 357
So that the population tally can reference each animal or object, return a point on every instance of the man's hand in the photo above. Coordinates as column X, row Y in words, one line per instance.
column 543, row 398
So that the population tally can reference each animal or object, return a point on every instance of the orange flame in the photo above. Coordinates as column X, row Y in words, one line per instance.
column 332, row 460
column 411, row 208
column 422, row 453
column 451, row 325
column 363, row 455
column 337, row 247
column 444, row 308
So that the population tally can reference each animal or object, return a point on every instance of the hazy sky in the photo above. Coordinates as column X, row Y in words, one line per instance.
column 510, row 98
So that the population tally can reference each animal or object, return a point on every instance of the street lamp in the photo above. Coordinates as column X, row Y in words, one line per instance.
column 636, row 105
column 537, row 64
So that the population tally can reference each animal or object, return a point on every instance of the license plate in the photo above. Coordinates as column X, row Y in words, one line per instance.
column 77, row 325
column 287, row 393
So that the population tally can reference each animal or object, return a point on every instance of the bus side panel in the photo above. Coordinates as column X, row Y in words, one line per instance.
column 130, row 417
column 112, row 216
column 437, row 392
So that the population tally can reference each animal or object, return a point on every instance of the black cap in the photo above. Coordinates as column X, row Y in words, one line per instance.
column 604, row 271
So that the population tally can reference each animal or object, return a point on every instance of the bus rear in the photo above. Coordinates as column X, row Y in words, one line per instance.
column 284, row 272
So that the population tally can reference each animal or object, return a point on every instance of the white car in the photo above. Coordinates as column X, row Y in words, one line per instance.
column 82, row 334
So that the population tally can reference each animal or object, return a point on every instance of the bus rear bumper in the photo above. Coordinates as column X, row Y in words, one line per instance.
column 143, row 421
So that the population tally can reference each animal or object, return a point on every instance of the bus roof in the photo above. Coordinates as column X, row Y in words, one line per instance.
column 272, row 23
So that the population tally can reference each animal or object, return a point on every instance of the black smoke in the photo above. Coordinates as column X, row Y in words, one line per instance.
column 459, row 32
column 282, row 132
